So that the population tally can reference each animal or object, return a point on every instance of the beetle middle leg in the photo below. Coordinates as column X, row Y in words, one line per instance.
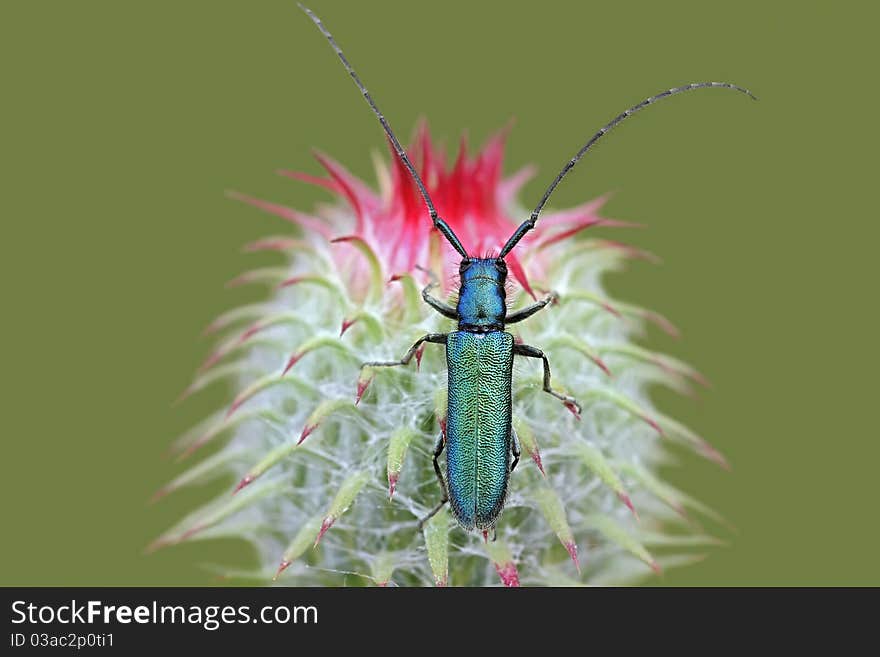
column 438, row 449
column 437, row 338
column 534, row 352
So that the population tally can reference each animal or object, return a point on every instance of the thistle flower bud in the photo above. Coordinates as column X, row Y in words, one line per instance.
column 314, row 441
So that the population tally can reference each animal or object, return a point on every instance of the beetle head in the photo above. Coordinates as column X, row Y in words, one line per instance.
column 481, row 299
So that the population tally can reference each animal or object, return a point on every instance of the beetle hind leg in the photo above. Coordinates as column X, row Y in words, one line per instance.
column 438, row 449
column 514, row 449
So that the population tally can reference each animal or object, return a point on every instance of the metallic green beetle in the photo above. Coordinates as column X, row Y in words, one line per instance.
column 481, row 447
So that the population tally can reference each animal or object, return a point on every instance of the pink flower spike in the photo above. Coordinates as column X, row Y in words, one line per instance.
column 355, row 191
column 519, row 274
column 664, row 324
column 601, row 365
column 573, row 408
column 419, row 353
column 578, row 213
column 190, row 389
column 158, row 544
column 241, row 484
column 714, row 455
column 200, row 442
column 536, row 457
column 572, row 549
column 222, row 352
column 654, row 425
column 362, row 386
column 509, row 187
column 325, row 525
column 623, row 497
column 291, row 362
column 281, row 568
column 306, row 432
column 213, row 327
column 240, row 399
column 330, row 185
column 250, row 331
column 392, row 485
column 242, row 279
column 699, row 378
column 631, row 251
column 159, row 494
column 211, row 360
column 272, row 244
column 583, row 225
column 295, row 217
column 293, row 280
column 611, row 309
column 346, row 324
column 189, row 533
column 508, row 574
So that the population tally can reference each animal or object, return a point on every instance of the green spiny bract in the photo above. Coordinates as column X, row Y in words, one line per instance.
column 334, row 463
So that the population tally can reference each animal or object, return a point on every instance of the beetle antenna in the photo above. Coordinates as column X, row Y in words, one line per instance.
column 529, row 223
column 438, row 222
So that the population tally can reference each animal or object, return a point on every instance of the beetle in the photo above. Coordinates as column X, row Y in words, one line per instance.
column 481, row 446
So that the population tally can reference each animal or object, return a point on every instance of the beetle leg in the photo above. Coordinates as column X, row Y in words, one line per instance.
column 438, row 449
column 431, row 515
column 514, row 449
column 528, row 311
column 533, row 352
column 442, row 308
column 437, row 338
column 439, row 306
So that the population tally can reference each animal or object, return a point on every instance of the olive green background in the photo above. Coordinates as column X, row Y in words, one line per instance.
column 123, row 123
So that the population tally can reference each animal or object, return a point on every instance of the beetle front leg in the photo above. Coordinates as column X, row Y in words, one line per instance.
column 436, row 338
column 442, row 308
column 528, row 311
column 533, row 352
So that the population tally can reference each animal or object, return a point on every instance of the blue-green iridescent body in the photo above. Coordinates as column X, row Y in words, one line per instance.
column 481, row 446
column 479, row 360
column 478, row 425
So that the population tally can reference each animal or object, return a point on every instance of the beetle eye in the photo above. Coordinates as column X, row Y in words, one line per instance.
column 464, row 265
column 501, row 266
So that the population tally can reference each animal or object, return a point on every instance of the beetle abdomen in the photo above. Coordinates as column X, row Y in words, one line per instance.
column 480, row 367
